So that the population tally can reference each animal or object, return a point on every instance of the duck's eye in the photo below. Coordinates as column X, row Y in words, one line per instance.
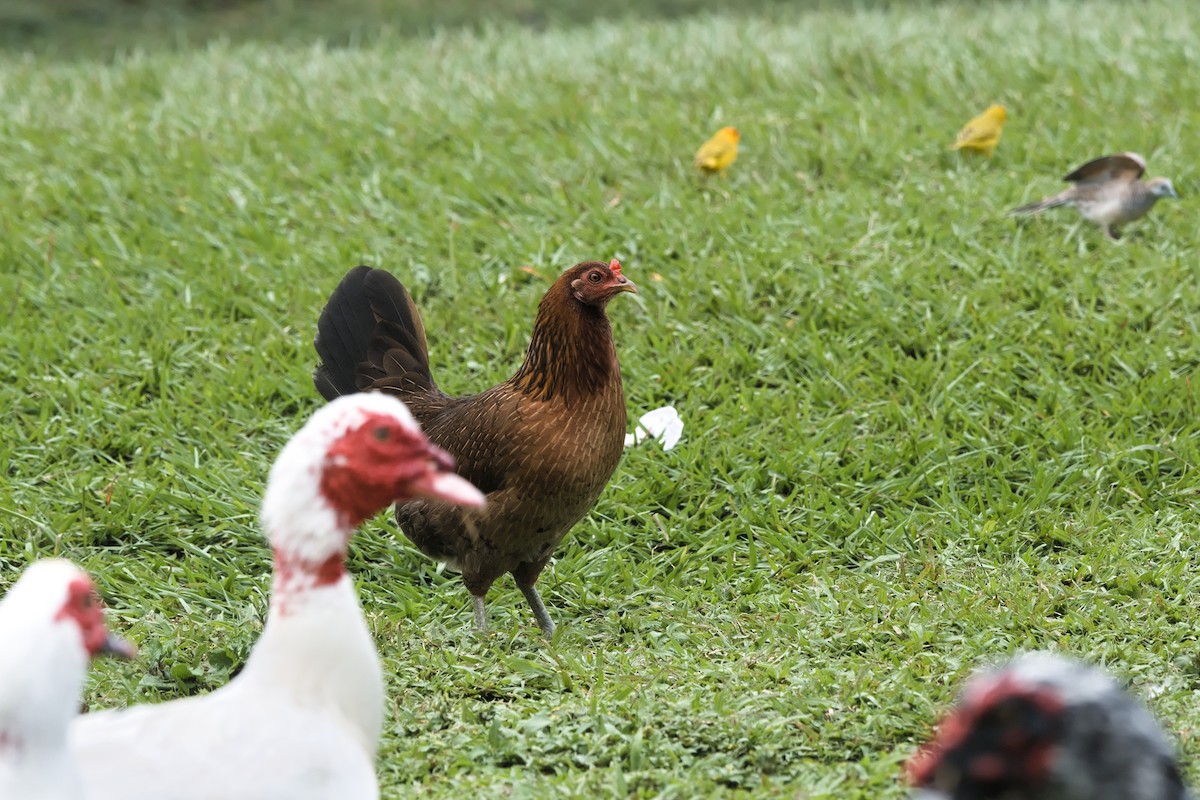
column 594, row 276
column 382, row 433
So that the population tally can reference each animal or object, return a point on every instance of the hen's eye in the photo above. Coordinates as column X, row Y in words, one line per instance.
column 594, row 276
column 382, row 433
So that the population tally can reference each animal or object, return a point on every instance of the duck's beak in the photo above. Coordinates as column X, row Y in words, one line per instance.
column 116, row 647
column 439, row 482
column 448, row 487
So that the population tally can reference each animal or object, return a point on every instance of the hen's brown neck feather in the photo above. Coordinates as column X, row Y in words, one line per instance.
column 571, row 353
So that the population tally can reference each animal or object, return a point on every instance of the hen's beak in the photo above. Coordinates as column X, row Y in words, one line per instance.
column 117, row 647
column 625, row 285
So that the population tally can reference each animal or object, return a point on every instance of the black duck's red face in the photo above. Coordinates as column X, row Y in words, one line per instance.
column 594, row 283
column 1000, row 739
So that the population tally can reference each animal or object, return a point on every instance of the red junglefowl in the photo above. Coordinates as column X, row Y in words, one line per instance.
column 541, row 446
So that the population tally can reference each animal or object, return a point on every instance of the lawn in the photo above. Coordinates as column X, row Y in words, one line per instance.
column 920, row 435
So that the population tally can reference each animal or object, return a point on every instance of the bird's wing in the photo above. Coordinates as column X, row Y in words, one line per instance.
column 497, row 439
column 981, row 127
column 1098, row 192
column 220, row 747
column 713, row 150
column 479, row 431
column 969, row 133
column 1122, row 166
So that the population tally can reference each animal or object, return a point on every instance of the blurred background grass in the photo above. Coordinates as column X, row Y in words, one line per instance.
column 920, row 435
column 104, row 28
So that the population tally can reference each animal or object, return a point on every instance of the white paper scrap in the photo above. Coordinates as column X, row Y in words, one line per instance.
column 662, row 424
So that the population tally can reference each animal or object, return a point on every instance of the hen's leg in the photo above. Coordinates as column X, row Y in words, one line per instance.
column 478, row 579
column 526, row 576
column 539, row 609
column 480, row 613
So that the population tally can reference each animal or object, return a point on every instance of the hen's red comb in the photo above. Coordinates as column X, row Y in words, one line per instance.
column 615, row 266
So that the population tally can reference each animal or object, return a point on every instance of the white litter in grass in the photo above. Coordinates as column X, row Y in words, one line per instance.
column 662, row 424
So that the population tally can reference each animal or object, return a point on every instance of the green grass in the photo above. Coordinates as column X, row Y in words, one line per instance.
column 74, row 29
column 920, row 435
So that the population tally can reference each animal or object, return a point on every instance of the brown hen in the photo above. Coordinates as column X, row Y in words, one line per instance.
column 541, row 446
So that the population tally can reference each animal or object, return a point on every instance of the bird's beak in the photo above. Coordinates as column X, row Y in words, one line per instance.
column 439, row 482
column 448, row 487
column 625, row 285
column 117, row 647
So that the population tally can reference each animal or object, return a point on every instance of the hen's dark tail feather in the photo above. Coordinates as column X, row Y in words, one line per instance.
column 370, row 330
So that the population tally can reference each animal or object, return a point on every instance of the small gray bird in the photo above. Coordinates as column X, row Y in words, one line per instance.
column 1108, row 192
column 1044, row 727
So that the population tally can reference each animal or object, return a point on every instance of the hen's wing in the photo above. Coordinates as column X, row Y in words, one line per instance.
column 489, row 436
column 1126, row 167
column 483, row 433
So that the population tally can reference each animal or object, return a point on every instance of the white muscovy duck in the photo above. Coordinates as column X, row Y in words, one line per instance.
column 1044, row 727
column 51, row 625
column 303, row 718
